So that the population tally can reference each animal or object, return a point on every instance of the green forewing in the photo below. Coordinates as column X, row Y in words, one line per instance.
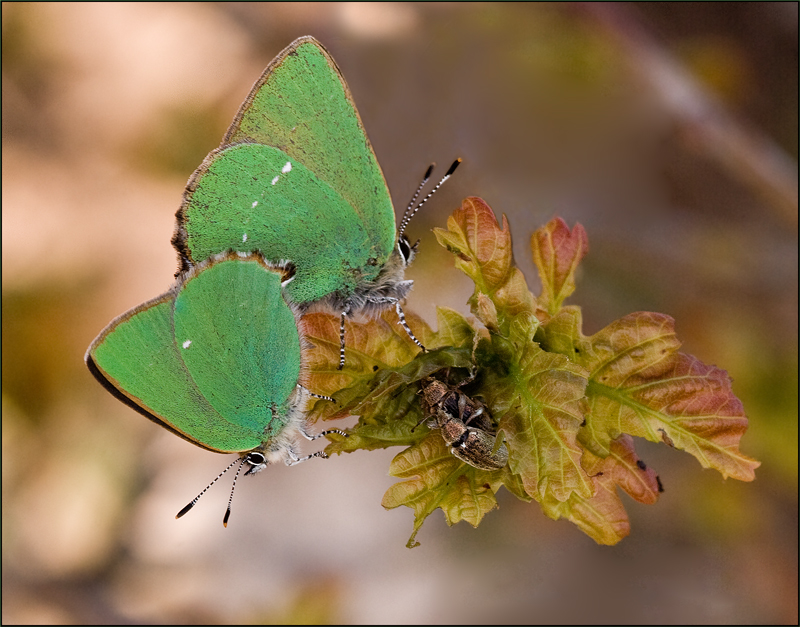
column 261, row 211
column 228, row 388
column 302, row 108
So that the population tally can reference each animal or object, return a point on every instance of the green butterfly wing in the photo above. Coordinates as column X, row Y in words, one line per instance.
column 239, row 340
column 215, row 360
column 296, row 179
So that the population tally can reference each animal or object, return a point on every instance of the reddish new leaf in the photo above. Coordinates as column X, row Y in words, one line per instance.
column 565, row 405
column 603, row 516
column 483, row 252
column 374, row 345
column 624, row 468
column 557, row 253
column 640, row 385
column 381, row 378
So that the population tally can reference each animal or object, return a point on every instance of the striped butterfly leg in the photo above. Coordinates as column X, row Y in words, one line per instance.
column 294, row 459
column 402, row 321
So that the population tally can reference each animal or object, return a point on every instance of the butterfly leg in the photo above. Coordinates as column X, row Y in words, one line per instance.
column 311, row 394
column 292, row 456
column 294, row 459
column 341, row 339
column 403, row 322
column 311, row 438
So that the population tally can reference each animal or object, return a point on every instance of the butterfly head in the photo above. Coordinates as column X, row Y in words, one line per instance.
column 406, row 250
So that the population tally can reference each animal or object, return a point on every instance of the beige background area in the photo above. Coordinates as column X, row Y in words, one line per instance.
column 669, row 130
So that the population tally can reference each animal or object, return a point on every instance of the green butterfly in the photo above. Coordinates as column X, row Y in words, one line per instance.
column 217, row 360
column 296, row 179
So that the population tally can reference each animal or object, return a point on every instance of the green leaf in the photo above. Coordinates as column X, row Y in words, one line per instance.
column 640, row 385
column 539, row 405
column 535, row 396
column 379, row 380
column 434, row 478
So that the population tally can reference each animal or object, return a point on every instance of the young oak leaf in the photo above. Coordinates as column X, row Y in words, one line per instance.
column 640, row 385
column 539, row 405
column 557, row 251
column 372, row 345
column 536, row 397
column 373, row 342
column 561, row 333
column 502, row 301
column 434, row 478
column 452, row 330
column 387, row 403
column 602, row 516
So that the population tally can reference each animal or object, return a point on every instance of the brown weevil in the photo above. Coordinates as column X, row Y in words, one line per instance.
column 464, row 422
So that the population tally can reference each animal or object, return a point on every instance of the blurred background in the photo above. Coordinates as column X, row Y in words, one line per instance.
column 669, row 130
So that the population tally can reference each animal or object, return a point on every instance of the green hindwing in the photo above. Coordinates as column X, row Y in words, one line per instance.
column 216, row 359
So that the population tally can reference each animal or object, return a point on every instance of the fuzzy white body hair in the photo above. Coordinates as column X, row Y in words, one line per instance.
column 282, row 447
column 371, row 297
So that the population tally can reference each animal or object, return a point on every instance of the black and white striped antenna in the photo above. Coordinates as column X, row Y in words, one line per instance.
column 193, row 502
column 425, row 178
column 411, row 209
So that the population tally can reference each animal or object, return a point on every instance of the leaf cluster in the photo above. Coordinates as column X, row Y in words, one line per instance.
column 565, row 404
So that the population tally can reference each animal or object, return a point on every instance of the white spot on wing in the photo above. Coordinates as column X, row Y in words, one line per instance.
column 244, row 237
column 255, row 203
column 287, row 167
column 275, row 180
column 187, row 343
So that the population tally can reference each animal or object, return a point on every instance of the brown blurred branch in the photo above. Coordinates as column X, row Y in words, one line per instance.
column 704, row 123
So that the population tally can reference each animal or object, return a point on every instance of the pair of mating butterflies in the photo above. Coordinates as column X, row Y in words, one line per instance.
column 291, row 212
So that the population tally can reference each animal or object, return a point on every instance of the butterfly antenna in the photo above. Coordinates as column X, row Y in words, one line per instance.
column 410, row 214
column 230, row 498
column 425, row 178
column 197, row 498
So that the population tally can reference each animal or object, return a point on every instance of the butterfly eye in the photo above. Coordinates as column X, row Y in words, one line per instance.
column 256, row 460
column 405, row 248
